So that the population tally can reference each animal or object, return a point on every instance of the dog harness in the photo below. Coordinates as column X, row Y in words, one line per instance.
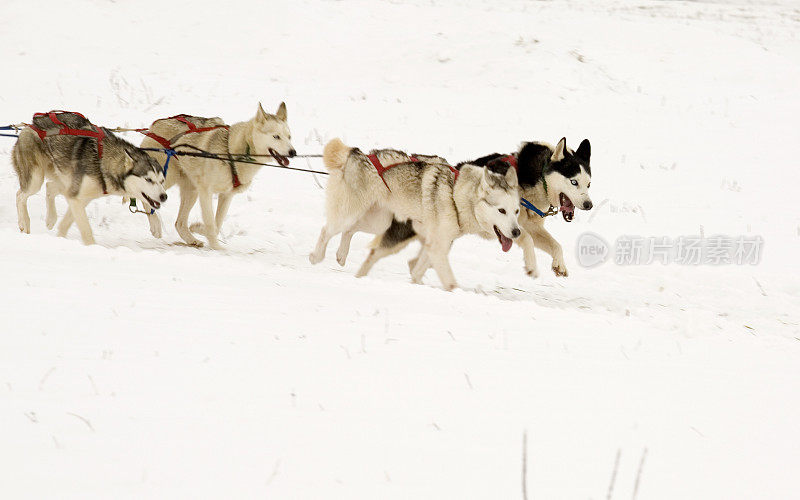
column 96, row 133
column 193, row 129
column 373, row 158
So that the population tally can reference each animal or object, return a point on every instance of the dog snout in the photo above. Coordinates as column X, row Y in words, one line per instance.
column 292, row 153
column 515, row 232
column 587, row 205
column 163, row 197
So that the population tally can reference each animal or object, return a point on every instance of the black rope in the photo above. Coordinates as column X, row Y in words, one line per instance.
column 201, row 153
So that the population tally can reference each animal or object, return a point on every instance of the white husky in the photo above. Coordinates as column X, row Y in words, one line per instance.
column 440, row 203
column 201, row 178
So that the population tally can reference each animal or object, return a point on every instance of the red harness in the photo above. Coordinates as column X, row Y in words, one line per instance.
column 193, row 129
column 511, row 160
column 373, row 158
column 96, row 134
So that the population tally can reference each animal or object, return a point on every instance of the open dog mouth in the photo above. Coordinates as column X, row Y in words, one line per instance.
column 284, row 161
column 504, row 240
column 150, row 201
column 567, row 208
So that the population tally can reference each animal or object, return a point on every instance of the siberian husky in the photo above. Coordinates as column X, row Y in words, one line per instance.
column 76, row 168
column 440, row 202
column 201, row 178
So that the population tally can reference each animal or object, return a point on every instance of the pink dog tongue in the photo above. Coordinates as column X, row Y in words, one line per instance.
column 505, row 243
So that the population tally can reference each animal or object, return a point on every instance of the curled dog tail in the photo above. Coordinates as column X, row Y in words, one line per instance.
column 335, row 154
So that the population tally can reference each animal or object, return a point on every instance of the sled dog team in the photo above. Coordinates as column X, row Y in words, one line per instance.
column 394, row 195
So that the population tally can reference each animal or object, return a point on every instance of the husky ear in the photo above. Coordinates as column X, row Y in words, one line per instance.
column 584, row 150
column 128, row 161
column 486, row 179
column 561, row 148
column 261, row 115
column 281, row 113
column 511, row 176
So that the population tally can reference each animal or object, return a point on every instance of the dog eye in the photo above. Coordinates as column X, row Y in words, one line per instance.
column 574, row 182
column 502, row 210
column 276, row 136
column 589, row 185
column 516, row 212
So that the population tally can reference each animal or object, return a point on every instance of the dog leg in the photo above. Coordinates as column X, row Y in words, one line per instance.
column 52, row 190
column 344, row 246
column 33, row 187
column 376, row 254
column 525, row 241
column 437, row 255
column 325, row 236
column 155, row 225
column 210, row 226
column 77, row 208
column 545, row 241
column 188, row 199
column 419, row 265
column 223, row 204
column 66, row 223
column 23, row 218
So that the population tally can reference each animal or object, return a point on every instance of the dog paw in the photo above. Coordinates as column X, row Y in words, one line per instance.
column 341, row 259
column 559, row 269
column 156, row 232
column 195, row 243
column 314, row 258
column 533, row 273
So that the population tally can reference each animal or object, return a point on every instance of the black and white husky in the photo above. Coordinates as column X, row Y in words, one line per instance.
column 549, row 177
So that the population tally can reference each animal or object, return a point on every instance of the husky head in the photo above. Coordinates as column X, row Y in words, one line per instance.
column 498, row 205
column 568, row 177
column 271, row 134
column 144, row 178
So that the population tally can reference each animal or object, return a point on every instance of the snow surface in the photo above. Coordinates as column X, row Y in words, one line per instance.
column 140, row 368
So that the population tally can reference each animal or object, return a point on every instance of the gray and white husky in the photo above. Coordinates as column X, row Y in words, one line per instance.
column 201, row 178
column 548, row 177
column 439, row 206
column 73, row 168
column 375, row 220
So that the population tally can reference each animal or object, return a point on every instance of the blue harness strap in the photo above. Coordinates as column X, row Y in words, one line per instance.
column 525, row 203
column 170, row 153
column 10, row 127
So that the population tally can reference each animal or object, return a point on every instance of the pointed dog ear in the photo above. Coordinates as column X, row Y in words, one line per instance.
column 486, row 178
column 281, row 113
column 560, row 151
column 511, row 176
column 584, row 150
column 128, row 161
column 261, row 115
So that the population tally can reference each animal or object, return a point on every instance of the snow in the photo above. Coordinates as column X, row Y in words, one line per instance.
column 142, row 368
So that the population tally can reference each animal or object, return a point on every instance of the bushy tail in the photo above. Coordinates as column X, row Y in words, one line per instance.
column 335, row 154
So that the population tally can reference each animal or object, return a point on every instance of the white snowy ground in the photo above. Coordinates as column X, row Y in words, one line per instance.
column 142, row 368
